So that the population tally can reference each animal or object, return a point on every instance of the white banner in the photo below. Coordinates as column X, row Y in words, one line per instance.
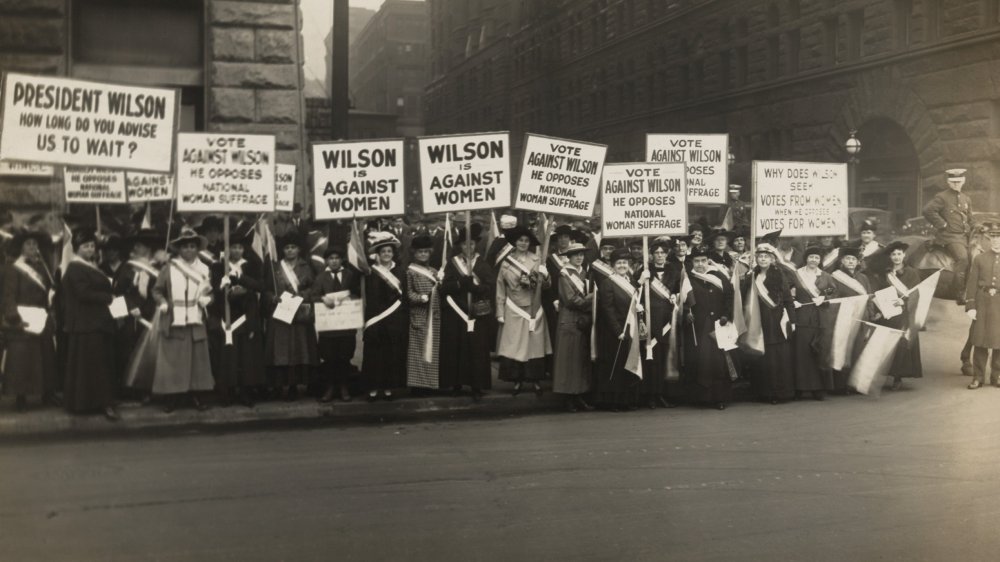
column 89, row 185
column 26, row 169
column 359, row 179
column 221, row 173
column 347, row 315
column 62, row 121
column 465, row 172
column 560, row 176
column 284, row 187
column 643, row 199
column 149, row 187
column 800, row 198
column 707, row 159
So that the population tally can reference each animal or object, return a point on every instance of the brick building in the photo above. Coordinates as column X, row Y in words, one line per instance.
column 388, row 64
column 787, row 79
column 237, row 63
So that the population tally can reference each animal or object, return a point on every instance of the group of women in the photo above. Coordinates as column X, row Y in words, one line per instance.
column 610, row 327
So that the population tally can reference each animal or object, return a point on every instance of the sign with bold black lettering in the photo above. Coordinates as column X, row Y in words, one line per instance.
column 465, row 172
column 219, row 173
column 284, row 187
column 143, row 187
column 91, row 185
column 358, row 179
column 707, row 159
column 800, row 198
column 560, row 176
column 643, row 199
column 78, row 123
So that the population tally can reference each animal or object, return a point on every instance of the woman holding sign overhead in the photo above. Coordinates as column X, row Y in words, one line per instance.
column 386, row 319
column 290, row 346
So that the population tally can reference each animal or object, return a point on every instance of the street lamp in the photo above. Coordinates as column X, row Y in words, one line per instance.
column 853, row 147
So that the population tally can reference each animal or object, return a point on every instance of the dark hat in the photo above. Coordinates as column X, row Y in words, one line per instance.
column 573, row 248
column 621, row 254
column 512, row 234
column 422, row 242
column 741, row 231
column 291, row 238
column 729, row 236
column 208, row 223
column 815, row 251
column 896, row 245
column 475, row 234
column 630, row 242
column 991, row 228
column 605, row 242
column 146, row 236
column 660, row 244
column 699, row 253
column 17, row 243
column 574, row 234
column 770, row 238
column 335, row 249
column 113, row 243
column 850, row 251
column 243, row 235
column 187, row 235
column 297, row 207
column 869, row 224
column 697, row 226
column 83, row 235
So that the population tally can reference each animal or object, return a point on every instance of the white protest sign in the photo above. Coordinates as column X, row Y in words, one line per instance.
column 347, row 315
column 143, row 187
column 88, row 185
column 358, row 179
column 284, row 187
column 79, row 123
column 707, row 158
column 465, row 172
column 643, row 199
column 560, row 176
column 800, row 198
column 26, row 169
column 220, row 173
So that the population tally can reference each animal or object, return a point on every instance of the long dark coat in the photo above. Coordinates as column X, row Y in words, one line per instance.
column 983, row 275
column 125, row 284
column 291, row 345
column 30, row 364
column 240, row 364
column 814, row 335
column 906, row 362
column 776, row 377
column 654, row 374
column 384, row 357
column 90, row 329
column 705, row 364
column 571, row 372
column 465, row 356
column 614, row 385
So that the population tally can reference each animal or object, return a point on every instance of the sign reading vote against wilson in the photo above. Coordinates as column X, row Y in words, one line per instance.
column 79, row 123
column 560, row 176
column 284, row 187
column 465, row 172
column 358, row 179
column 219, row 173
column 149, row 187
column 707, row 158
column 86, row 185
column 643, row 199
column 800, row 198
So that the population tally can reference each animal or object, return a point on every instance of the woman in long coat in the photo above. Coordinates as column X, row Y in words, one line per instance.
column 814, row 325
column 653, row 389
column 776, row 377
column 572, row 367
column 616, row 386
column 906, row 362
column 290, row 349
column 386, row 319
column 30, row 363
column 851, row 282
column 134, row 281
column 90, row 331
column 705, row 367
column 465, row 357
column 424, row 298
column 524, row 336
column 183, row 291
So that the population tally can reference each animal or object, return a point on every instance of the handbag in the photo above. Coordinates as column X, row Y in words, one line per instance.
column 583, row 323
column 481, row 308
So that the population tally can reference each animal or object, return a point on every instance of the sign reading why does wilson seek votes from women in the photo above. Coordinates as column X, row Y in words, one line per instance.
column 560, row 176
column 54, row 120
column 707, row 159
column 643, row 199
column 465, row 172
column 144, row 187
column 91, row 185
column 800, row 198
column 220, row 173
column 284, row 187
column 358, row 179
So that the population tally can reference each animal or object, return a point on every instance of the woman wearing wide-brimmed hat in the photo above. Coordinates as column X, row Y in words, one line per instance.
column 290, row 349
column 90, row 356
column 183, row 292
column 30, row 361
column 386, row 319
column 571, row 372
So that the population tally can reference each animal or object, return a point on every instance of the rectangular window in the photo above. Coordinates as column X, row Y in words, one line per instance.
column 855, row 33
column 830, row 41
column 902, row 16
column 162, row 33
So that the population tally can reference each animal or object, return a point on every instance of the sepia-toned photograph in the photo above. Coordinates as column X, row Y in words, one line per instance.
column 499, row 280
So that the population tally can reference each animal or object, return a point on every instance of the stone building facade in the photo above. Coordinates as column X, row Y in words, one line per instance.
column 237, row 64
column 787, row 79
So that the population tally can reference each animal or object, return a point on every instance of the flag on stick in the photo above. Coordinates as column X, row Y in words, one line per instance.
column 925, row 294
column 845, row 330
column 752, row 340
column 67, row 250
column 869, row 373
column 356, row 249
column 739, row 320
column 633, row 361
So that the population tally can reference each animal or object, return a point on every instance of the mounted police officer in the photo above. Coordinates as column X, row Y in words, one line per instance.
column 950, row 212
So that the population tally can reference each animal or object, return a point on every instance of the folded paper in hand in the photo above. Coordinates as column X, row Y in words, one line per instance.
column 118, row 308
column 885, row 300
column 726, row 336
column 287, row 307
column 35, row 318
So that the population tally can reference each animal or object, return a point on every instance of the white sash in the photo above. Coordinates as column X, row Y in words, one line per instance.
column 207, row 256
column 708, row 279
column 514, row 262
column 807, row 284
column 762, row 291
column 659, row 289
column 870, row 248
column 602, row 267
column 388, row 277
column 470, row 323
column 900, row 287
column 188, row 271
column 424, row 271
column 841, row 276
column 464, row 269
column 236, row 268
column 624, row 285
column 33, row 275
column 290, row 275
column 89, row 264
column 232, row 329
column 532, row 322
column 385, row 314
column 145, row 267
column 830, row 257
column 503, row 253
column 567, row 272
column 319, row 243
column 184, row 312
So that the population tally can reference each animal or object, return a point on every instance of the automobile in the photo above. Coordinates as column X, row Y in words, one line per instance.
column 919, row 226
column 883, row 218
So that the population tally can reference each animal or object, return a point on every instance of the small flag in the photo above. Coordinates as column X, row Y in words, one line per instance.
column 752, row 340
column 925, row 294
column 845, row 330
column 739, row 320
column 67, row 250
column 147, row 219
column 356, row 249
column 633, row 361
column 727, row 221
column 870, row 371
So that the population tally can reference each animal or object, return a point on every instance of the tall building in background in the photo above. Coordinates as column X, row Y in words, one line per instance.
column 787, row 79
column 388, row 64
column 318, row 87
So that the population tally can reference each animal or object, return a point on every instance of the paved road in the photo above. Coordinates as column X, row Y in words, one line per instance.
column 914, row 475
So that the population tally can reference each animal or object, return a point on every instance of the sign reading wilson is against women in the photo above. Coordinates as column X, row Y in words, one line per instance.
column 143, row 188
column 358, row 179
column 644, row 199
column 560, row 176
column 220, row 173
column 63, row 121
column 465, row 172
column 800, row 198
column 707, row 159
